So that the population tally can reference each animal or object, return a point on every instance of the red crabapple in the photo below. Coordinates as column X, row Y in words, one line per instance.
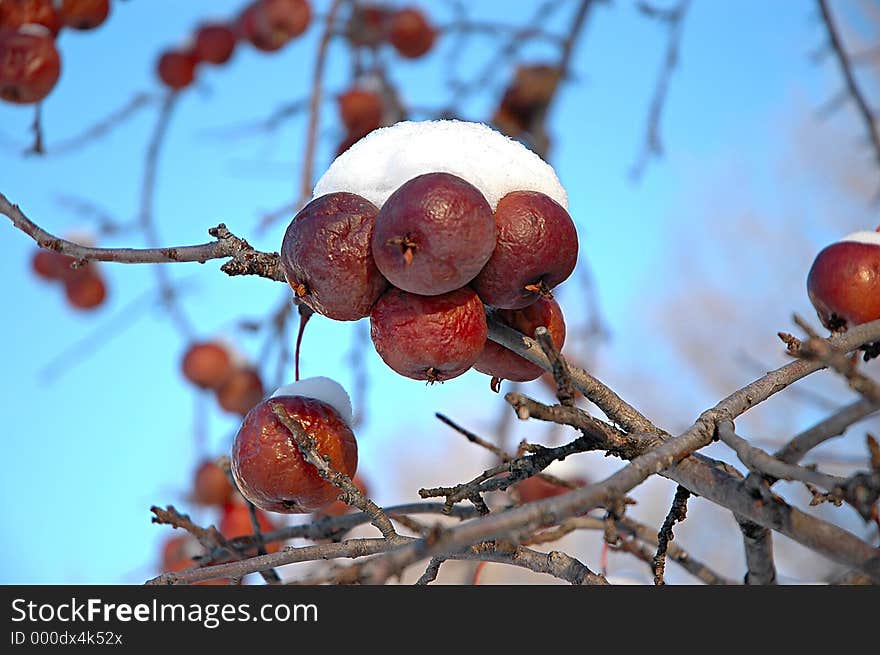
column 410, row 33
column 29, row 64
column 85, row 288
column 211, row 486
column 236, row 522
column 537, row 249
column 433, row 234
column 360, row 110
column 176, row 69
column 844, row 281
column 50, row 264
column 327, row 256
column 207, row 364
column 240, row 391
column 433, row 338
column 499, row 362
column 269, row 24
column 268, row 465
column 214, row 43
column 82, row 14
column 16, row 13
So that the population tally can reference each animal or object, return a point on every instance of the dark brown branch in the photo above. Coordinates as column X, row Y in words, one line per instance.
column 677, row 514
column 561, row 375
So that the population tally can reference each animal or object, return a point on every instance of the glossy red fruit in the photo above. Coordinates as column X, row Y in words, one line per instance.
column 206, row 364
column 16, row 13
column 214, row 43
column 240, row 391
column 327, row 256
column 337, row 507
column 844, row 283
column 537, row 248
column 360, row 110
column 211, row 486
column 433, row 234
column 236, row 522
column 267, row 463
column 499, row 362
column 85, row 288
column 433, row 338
column 410, row 33
column 176, row 69
column 51, row 265
column 82, row 14
column 270, row 24
column 368, row 25
column 29, row 64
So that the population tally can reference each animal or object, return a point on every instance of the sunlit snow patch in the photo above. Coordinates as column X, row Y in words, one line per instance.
column 378, row 164
column 320, row 388
column 864, row 237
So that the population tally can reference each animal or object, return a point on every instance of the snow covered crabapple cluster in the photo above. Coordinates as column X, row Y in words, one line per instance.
column 30, row 64
column 423, row 225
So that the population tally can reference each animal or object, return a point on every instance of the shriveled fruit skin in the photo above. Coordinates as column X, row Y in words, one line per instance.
column 327, row 257
column 844, row 284
column 537, row 247
column 29, row 65
column 433, row 234
column 433, row 338
column 268, row 466
column 500, row 362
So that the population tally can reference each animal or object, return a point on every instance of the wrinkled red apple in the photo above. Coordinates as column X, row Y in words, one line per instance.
column 537, row 249
column 434, row 234
column 327, row 256
column 268, row 465
column 29, row 64
column 433, row 338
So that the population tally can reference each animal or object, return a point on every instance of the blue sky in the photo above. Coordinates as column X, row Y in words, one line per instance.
column 99, row 423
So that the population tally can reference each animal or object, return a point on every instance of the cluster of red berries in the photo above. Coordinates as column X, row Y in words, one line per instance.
column 83, row 284
column 268, row 25
column 210, row 365
column 407, row 29
column 30, row 64
column 426, row 265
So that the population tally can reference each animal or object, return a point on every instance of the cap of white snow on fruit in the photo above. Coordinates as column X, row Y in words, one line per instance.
column 325, row 389
column 864, row 236
column 382, row 161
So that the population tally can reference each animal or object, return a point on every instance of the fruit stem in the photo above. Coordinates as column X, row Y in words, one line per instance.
column 305, row 313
